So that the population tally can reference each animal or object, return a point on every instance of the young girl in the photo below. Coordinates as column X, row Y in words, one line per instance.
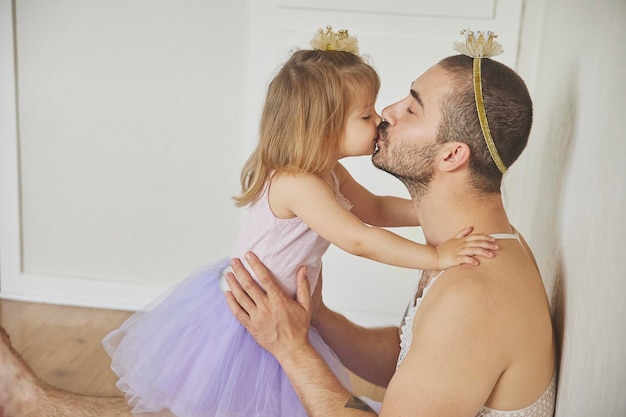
column 186, row 354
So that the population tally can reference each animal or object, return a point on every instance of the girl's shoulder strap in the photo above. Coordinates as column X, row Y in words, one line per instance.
column 263, row 195
column 333, row 175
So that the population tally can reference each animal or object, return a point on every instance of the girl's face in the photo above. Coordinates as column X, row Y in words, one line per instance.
column 361, row 130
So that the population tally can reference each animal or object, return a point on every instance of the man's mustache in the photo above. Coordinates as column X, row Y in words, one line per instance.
column 382, row 129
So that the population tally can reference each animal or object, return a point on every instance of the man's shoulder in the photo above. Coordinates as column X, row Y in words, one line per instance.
column 459, row 316
column 455, row 289
column 497, row 293
column 512, row 269
column 464, row 282
column 469, row 292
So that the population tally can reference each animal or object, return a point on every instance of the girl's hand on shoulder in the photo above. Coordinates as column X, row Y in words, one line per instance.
column 464, row 248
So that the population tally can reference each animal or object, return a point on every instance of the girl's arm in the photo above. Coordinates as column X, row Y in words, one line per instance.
column 383, row 211
column 311, row 199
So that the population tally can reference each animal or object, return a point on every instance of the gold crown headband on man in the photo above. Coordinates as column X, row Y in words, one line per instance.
column 480, row 45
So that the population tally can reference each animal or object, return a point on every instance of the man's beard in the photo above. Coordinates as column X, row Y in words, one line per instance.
column 411, row 164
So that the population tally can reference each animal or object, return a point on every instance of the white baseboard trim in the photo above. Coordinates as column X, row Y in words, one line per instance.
column 93, row 293
column 79, row 292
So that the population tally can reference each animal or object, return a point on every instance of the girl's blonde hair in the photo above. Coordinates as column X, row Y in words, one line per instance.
column 304, row 115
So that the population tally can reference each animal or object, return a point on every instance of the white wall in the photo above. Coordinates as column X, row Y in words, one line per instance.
column 571, row 189
column 131, row 120
column 127, row 152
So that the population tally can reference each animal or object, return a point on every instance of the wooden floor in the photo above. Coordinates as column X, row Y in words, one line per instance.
column 62, row 345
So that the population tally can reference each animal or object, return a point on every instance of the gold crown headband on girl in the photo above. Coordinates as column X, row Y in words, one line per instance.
column 478, row 47
column 328, row 40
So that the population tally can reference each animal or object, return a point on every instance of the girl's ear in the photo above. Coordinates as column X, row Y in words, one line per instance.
column 456, row 155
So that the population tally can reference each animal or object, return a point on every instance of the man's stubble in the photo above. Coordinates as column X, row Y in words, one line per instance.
column 410, row 163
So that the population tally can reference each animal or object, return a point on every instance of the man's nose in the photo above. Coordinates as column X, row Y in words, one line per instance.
column 388, row 115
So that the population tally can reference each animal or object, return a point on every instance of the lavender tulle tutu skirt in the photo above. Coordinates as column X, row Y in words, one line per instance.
column 186, row 353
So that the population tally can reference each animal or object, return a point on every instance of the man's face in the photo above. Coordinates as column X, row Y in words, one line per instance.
column 406, row 147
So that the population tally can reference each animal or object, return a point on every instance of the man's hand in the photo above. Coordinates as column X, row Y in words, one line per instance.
column 281, row 326
column 278, row 323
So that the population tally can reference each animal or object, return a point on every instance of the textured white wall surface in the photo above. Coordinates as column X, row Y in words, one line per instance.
column 573, row 196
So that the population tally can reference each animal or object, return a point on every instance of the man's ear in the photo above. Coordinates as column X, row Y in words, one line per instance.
column 456, row 155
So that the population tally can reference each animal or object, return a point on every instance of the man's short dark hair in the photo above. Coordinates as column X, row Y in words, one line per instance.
column 509, row 112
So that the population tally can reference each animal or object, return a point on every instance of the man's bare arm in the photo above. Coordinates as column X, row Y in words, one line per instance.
column 369, row 353
column 359, row 404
